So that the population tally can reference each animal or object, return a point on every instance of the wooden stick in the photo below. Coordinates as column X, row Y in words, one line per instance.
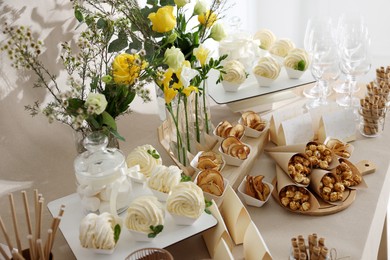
column 36, row 206
column 16, row 255
column 48, row 242
column 3, row 253
column 40, row 249
column 15, row 221
column 32, row 246
column 40, row 211
column 6, row 235
column 27, row 211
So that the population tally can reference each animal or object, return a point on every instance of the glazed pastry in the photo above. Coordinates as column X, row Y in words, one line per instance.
column 235, row 72
column 146, row 157
column 143, row 212
column 295, row 198
column 210, row 160
column 97, row 231
column 211, row 181
column 256, row 188
column 266, row 37
column 253, row 120
column 297, row 59
column 186, row 199
column 267, row 67
column 225, row 129
column 282, row 47
column 299, row 169
column 164, row 178
column 234, row 147
column 319, row 155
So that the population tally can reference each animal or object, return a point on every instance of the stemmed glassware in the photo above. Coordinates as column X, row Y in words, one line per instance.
column 353, row 44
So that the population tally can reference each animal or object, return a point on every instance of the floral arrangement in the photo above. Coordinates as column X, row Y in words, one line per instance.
column 102, row 80
column 172, row 33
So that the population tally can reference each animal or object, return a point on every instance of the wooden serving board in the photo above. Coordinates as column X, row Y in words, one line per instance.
column 365, row 167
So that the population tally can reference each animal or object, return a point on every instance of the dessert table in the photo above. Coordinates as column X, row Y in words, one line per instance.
column 46, row 163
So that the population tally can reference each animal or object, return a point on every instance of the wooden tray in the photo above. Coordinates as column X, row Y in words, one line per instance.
column 365, row 167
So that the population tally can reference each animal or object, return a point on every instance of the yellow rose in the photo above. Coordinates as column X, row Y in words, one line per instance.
column 207, row 19
column 126, row 68
column 164, row 20
column 201, row 54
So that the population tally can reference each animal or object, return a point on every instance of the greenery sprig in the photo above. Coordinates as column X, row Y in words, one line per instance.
column 155, row 231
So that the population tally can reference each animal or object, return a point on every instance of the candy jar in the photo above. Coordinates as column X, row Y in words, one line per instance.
column 102, row 182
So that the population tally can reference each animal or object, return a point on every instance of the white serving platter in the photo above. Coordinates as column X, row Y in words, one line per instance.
column 250, row 88
column 171, row 234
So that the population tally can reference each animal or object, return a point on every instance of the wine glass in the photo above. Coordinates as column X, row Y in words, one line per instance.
column 315, row 28
column 355, row 60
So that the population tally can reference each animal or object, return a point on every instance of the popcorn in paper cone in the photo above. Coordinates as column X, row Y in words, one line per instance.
column 293, row 197
column 295, row 165
column 294, row 148
column 349, row 175
column 339, row 148
column 326, row 185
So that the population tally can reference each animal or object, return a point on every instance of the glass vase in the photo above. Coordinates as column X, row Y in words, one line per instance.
column 202, row 114
column 79, row 136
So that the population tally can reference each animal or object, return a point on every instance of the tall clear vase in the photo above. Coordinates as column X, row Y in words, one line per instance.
column 202, row 114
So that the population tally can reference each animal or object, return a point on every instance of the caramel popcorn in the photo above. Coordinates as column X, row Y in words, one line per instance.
column 331, row 189
column 299, row 169
column 346, row 175
column 319, row 155
column 295, row 198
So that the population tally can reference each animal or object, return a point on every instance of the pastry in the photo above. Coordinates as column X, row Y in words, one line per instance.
column 211, row 181
column 97, row 231
column 234, row 147
column 210, row 160
column 282, row 47
column 186, row 199
column 266, row 37
column 267, row 67
column 225, row 129
column 143, row 212
column 256, row 188
column 164, row 178
column 252, row 120
column 146, row 156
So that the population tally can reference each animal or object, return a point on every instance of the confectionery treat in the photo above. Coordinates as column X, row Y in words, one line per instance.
column 331, row 189
column 315, row 250
column 235, row 72
column 164, row 178
column 211, row 181
column 225, row 129
column 295, row 198
column 297, row 59
column 339, row 148
column 146, row 157
column 143, row 212
column 253, row 120
column 267, row 67
column 186, row 199
column 319, row 155
column 344, row 172
column 282, row 47
column 97, row 231
column 210, row 160
column 256, row 188
column 266, row 37
column 234, row 147
column 299, row 169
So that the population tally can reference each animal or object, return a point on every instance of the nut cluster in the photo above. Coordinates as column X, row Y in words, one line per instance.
column 331, row 189
column 295, row 198
column 210, row 160
column 299, row 169
column 226, row 129
column 319, row 155
column 252, row 120
column 348, row 179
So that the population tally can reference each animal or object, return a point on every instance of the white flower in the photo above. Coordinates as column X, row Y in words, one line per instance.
column 218, row 32
column 174, row 58
column 181, row 3
column 200, row 7
column 187, row 74
column 98, row 101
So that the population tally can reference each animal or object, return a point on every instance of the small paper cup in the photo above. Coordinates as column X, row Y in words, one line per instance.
column 161, row 196
column 230, row 160
column 103, row 251
column 194, row 163
column 263, row 81
column 183, row 220
column 220, row 138
column 250, row 132
column 137, row 177
column 209, row 196
column 294, row 74
column 140, row 236
column 230, row 87
column 249, row 200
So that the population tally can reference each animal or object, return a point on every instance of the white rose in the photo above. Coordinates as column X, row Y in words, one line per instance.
column 181, row 3
column 218, row 32
column 200, row 7
column 174, row 58
column 97, row 101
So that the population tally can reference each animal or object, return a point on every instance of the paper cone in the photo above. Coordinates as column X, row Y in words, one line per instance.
column 315, row 182
column 355, row 171
column 283, row 159
column 294, row 148
column 284, row 181
column 331, row 142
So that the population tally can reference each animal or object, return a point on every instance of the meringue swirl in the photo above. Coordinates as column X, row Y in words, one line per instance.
column 282, row 47
column 294, row 57
column 164, row 178
column 144, row 159
column 143, row 212
column 235, row 72
column 267, row 67
column 186, row 199
column 266, row 37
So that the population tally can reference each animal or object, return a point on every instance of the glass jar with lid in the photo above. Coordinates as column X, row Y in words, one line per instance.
column 101, row 174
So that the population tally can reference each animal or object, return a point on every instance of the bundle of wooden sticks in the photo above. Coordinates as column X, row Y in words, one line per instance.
column 37, row 248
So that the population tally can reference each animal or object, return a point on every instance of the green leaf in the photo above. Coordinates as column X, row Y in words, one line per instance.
column 108, row 120
column 185, row 178
column 117, row 232
column 155, row 230
column 167, row 2
column 208, row 204
column 118, row 44
column 78, row 14
column 101, row 23
column 152, row 2
column 135, row 44
column 117, row 135
column 154, row 154
column 94, row 83
column 301, row 65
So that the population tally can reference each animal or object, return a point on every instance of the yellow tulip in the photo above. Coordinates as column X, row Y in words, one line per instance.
column 163, row 20
column 207, row 19
column 201, row 54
